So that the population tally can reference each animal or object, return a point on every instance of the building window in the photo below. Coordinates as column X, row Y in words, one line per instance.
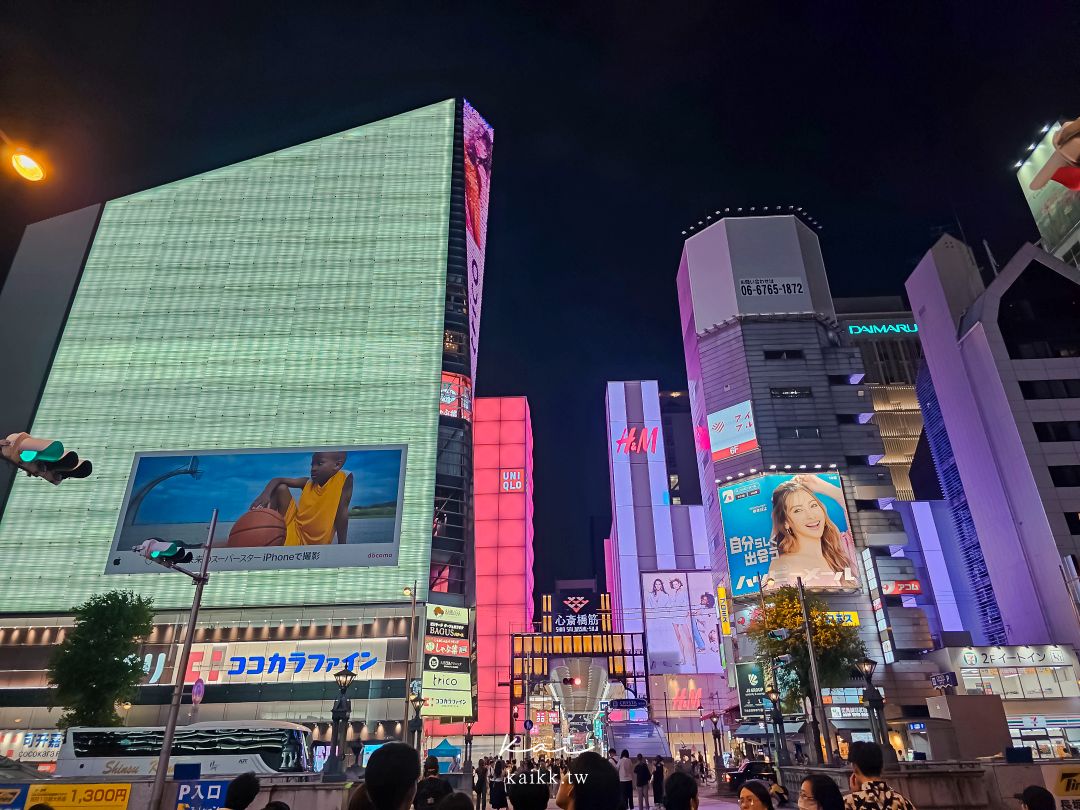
column 799, row 433
column 1050, row 389
column 1058, row 431
column 784, row 354
column 1039, row 315
column 1073, row 519
column 1065, row 475
column 1019, row 683
column 791, row 392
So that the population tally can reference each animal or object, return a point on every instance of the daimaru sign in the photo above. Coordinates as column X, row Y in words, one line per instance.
column 882, row 328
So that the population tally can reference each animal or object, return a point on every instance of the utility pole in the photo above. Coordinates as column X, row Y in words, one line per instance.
column 200, row 580
column 528, row 689
column 408, row 663
column 815, row 699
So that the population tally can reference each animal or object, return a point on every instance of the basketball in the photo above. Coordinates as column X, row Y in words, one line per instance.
column 257, row 528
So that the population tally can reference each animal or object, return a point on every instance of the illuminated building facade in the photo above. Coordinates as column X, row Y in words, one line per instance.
column 327, row 294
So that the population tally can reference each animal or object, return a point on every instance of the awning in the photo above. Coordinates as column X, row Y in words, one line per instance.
column 750, row 730
column 850, row 724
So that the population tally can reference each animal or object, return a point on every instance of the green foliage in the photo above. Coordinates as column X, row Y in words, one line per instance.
column 97, row 666
column 837, row 646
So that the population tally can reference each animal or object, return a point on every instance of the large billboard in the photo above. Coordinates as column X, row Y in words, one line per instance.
column 681, row 624
column 326, row 507
column 479, row 138
column 1055, row 207
column 446, row 679
column 782, row 527
column 732, row 431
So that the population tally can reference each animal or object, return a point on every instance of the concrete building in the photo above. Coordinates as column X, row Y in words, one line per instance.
column 777, row 392
column 1004, row 360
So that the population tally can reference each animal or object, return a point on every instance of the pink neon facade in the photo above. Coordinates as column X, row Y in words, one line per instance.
column 503, row 514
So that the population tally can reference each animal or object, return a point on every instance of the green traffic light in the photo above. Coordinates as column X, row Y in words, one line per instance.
column 51, row 452
column 171, row 551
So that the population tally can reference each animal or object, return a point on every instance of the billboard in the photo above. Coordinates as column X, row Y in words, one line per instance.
column 478, row 141
column 446, row 678
column 732, row 432
column 1055, row 207
column 681, row 625
column 781, row 527
column 277, row 509
column 576, row 612
column 455, row 396
column 750, row 681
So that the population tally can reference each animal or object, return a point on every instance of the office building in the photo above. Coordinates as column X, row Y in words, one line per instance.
column 1004, row 361
column 322, row 298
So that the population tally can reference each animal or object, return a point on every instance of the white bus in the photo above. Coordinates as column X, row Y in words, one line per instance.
column 223, row 749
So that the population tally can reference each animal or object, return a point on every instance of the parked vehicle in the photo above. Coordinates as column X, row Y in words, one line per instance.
column 733, row 780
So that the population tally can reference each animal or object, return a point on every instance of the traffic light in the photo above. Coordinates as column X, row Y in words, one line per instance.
column 516, row 713
column 779, row 634
column 163, row 551
column 44, row 458
column 571, row 681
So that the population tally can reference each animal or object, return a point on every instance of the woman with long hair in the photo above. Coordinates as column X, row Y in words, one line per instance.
column 681, row 621
column 808, row 543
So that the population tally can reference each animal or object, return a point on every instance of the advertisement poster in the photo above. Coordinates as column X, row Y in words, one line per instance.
column 455, row 396
column 681, row 622
column 1055, row 207
column 479, row 138
column 446, row 679
column 781, row 527
column 750, row 681
column 277, row 509
column 88, row 796
column 732, row 431
column 263, row 662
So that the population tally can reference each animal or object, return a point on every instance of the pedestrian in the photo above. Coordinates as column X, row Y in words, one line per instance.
column 658, row 781
column 592, row 783
column 498, row 787
column 868, row 791
column 241, row 792
column 819, row 792
column 754, row 795
column 432, row 788
column 1036, row 797
column 612, row 757
column 480, row 785
column 642, row 776
column 626, row 779
column 455, row 800
column 389, row 779
column 529, row 795
column 554, row 777
column 680, row 792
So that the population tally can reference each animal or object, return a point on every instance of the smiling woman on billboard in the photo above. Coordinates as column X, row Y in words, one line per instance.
column 807, row 541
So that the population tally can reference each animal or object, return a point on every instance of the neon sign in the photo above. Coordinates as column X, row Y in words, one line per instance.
column 635, row 440
column 882, row 328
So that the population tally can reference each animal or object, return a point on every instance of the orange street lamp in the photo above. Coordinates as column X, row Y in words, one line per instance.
column 24, row 164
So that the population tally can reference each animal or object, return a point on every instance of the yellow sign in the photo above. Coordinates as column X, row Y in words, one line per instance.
column 109, row 796
column 844, row 617
column 446, row 613
column 1068, row 783
column 725, row 610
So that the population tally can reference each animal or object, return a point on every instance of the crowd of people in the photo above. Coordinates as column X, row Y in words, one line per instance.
column 394, row 780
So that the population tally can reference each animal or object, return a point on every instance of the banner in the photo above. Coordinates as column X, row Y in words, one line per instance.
column 781, row 527
column 681, row 627
column 277, row 509
column 750, row 681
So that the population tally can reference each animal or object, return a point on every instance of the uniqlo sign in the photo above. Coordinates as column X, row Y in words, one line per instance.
column 512, row 480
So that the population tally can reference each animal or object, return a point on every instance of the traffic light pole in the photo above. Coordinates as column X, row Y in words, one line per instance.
column 815, row 700
column 182, row 665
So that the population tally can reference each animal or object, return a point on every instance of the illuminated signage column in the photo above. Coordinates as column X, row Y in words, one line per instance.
column 447, row 671
column 503, row 528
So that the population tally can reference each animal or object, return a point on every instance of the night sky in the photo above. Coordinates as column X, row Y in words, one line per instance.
column 615, row 128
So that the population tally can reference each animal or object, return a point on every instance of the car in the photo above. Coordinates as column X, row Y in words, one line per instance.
column 734, row 779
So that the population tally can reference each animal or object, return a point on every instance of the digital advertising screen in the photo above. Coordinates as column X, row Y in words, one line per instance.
column 455, row 396
column 277, row 509
column 732, row 432
column 1055, row 207
column 479, row 139
column 782, row 527
column 681, row 623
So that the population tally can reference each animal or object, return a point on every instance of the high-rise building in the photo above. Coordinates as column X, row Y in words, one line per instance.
column 322, row 297
column 1004, row 360
column 785, row 420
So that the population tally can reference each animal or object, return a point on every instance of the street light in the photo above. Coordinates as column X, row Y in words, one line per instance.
column 773, row 697
column 701, row 720
column 416, row 725
column 334, row 771
column 872, row 698
column 25, row 165
column 411, row 593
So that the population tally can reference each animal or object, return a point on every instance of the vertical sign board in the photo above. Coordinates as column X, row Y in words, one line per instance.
column 447, row 673
column 751, row 684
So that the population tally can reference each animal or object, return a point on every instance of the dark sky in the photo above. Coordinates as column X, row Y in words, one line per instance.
column 616, row 125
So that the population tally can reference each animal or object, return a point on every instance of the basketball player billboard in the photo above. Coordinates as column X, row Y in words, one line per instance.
column 317, row 507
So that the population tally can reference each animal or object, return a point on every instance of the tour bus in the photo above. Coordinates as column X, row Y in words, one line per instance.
column 223, row 749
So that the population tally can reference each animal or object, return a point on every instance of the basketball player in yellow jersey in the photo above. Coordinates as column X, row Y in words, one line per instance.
column 323, row 509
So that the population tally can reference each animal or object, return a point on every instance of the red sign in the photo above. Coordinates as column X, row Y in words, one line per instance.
column 512, row 480
column 446, row 646
column 686, row 699
column 455, row 396
column 635, row 440
column 901, row 587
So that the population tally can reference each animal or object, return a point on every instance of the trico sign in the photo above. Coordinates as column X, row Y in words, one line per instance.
column 882, row 328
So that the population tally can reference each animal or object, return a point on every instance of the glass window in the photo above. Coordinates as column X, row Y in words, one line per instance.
column 1065, row 475
column 784, row 354
column 973, row 682
column 1029, row 682
column 1010, row 683
column 1072, row 519
column 1064, row 431
column 1048, row 681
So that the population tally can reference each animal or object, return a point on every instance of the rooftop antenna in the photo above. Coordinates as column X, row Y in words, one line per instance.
column 990, row 256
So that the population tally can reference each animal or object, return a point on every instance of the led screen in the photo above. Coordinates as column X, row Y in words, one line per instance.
column 781, row 527
column 479, row 138
column 732, row 431
column 1055, row 207
column 446, row 678
column 293, row 300
column 325, row 507
column 455, row 396
column 681, row 626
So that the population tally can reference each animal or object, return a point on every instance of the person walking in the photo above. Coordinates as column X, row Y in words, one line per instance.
column 626, row 779
column 1036, row 797
column 658, row 781
column 498, row 787
column 868, row 790
column 642, row 775
column 389, row 779
column 432, row 788
column 480, row 785
column 680, row 792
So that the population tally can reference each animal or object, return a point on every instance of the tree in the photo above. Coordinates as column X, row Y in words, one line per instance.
column 97, row 666
column 837, row 646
